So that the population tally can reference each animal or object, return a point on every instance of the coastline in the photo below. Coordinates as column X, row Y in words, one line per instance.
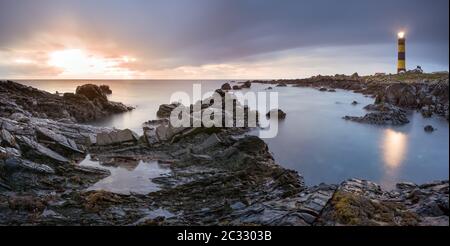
column 220, row 179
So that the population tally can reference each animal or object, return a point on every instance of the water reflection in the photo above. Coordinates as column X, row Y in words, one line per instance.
column 128, row 176
column 394, row 146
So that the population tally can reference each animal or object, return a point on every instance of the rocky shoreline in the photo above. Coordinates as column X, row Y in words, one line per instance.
column 218, row 175
column 394, row 94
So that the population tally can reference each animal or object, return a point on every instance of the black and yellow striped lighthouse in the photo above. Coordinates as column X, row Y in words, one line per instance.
column 401, row 62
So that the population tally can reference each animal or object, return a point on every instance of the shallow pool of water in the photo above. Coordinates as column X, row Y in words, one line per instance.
column 134, row 177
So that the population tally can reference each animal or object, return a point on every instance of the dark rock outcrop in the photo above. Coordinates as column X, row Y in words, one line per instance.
column 88, row 104
column 226, row 87
column 280, row 114
column 381, row 114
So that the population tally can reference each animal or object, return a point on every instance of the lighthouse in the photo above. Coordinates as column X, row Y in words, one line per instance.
column 401, row 62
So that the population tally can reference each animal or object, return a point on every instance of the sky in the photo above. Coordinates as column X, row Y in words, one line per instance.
column 217, row 39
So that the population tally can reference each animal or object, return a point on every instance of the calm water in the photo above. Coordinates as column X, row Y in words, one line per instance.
column 135, row 177
column 313, row 139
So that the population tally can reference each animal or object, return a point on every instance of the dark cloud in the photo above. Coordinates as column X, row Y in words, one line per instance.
column 171, row 33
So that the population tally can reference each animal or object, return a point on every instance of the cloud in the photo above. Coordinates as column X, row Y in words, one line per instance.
column 173, row 35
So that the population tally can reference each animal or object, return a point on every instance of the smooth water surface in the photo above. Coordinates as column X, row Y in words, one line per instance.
column 313, row 139
column 134, row 177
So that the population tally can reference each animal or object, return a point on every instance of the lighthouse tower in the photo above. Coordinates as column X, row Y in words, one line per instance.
column 401, row 63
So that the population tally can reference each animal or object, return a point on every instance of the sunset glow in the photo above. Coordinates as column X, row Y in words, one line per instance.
column 77, row 62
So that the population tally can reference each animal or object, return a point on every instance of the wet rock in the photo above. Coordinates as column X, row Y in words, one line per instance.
column 355, row 103
column 323, row 89
column 331, row 90
column 117, row 137
column 429, row 128
column 281, row 84
column 226, row 87
column 236, row 87
column 269, row 88
column 277, row 112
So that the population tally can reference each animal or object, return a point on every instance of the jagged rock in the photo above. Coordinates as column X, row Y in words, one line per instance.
column 116, row 137
column 165, row 110
column 48, row 135
column 33, row 148
column 226, row 87
column 398, row 94
column 105, row 89
column 278, row 113
column 6, row 138
column 17, row 164
column 19, row 117
column 383, row 114
column 211, row 141
column 90, row 103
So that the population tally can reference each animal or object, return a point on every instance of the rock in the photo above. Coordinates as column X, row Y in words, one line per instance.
column 236, row 87
column 405, row 186
column 426, row 111
column 6, row 138
column 246, row 84
column 19, row 117
column 22, row 102
column 105, row 89
column 92, row 92
column 48, row 135
column 278, row 112
column 117, row 137
column 383, row 114
column 355, row 75
column 355, row 103
column 226, row 87
column 398, row 94
column 269, row 88
column 331, row 90
column 323, row 89
column 34, row 149
column 211, row 141
column 429, row 128
column 281, row 84
column 16, row 164
column 165, row 110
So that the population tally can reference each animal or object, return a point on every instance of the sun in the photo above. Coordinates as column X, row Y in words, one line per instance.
column 78, row 62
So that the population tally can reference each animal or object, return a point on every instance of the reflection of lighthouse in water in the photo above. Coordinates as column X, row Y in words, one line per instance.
column 401, row 62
